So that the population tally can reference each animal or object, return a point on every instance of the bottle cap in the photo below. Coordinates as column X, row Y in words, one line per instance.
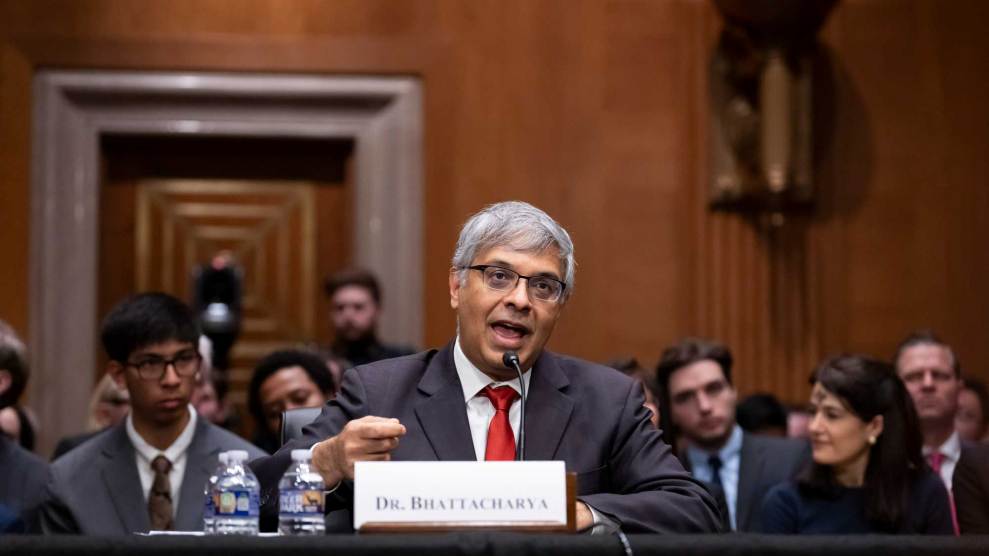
column 301, row 455
column 237, row 455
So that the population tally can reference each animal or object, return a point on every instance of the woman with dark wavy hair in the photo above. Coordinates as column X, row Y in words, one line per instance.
column 867, row 474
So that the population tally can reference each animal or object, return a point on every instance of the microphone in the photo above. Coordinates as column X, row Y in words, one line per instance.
column 511, row 360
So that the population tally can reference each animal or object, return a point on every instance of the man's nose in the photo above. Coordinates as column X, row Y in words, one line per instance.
column 519, row 295
column 703, row 403
column 928, row 381
column 170, row 376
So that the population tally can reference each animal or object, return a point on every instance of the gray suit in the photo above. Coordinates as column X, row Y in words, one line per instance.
column 95, row 488
column 764, row 462
column 22, row 482
column 587, row 415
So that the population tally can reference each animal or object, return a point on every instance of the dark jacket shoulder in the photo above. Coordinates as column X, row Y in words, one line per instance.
column 23, row 476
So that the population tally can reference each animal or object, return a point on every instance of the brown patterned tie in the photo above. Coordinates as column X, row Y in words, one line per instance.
column 160, row 497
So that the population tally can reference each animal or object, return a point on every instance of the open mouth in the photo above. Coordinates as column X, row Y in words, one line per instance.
column 510, row 333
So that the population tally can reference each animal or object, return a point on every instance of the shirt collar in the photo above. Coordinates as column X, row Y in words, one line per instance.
column 173, row 452
column 731, row 449
column 473, row 380
column 951, row 449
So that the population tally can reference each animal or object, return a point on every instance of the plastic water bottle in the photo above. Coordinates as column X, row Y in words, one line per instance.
column 300, row 498
column 237, row 509
column 212, row 496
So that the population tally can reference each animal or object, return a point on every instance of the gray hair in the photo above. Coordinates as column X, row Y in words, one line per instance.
column 519, row 226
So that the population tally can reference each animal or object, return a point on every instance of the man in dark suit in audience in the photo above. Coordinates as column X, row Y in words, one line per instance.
column 149, row 471
column 698, row 401
column 933, row 376
column 512, row 274
column 22, row 474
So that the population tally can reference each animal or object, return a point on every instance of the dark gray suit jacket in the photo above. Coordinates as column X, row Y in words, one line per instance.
column 587, row 415
column 22, row 482
column 764, row 462
column 95, row 488
column 970, row 487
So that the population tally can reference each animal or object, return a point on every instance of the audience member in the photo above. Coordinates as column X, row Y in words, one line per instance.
column 147, row 472
column 108, row 405
column 22, row 474
column 868, row 474
column 932, row 374
column 699, row 402
column 971, row 490
column 762, row 414
column 285, row 380
column 972, row 418
column 355, row 305
column 631, row 367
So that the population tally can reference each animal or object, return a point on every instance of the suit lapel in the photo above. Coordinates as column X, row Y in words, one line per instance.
column 442, row 412
column 547, row 408
column 123, row 484
column 200, row 462
column 750, row 465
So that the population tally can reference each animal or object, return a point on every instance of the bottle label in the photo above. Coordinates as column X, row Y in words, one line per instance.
column 298, row 502
column 238, row 503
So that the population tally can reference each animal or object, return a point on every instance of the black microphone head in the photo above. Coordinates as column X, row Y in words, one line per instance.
column 510, row 359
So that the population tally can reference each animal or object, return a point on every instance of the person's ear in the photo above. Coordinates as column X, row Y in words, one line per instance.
column 874, row 428
column 116, row 372
column 454, row 288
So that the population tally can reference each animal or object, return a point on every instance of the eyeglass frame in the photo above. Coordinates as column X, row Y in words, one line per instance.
column 482, row 267
column 165, row 363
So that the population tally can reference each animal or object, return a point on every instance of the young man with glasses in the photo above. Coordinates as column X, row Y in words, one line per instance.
column 148, row 472
column 512, row 275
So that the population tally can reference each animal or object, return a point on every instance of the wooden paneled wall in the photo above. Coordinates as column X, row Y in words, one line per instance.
column 596, row 111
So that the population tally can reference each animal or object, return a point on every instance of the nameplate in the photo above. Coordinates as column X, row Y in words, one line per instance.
column 497, row 493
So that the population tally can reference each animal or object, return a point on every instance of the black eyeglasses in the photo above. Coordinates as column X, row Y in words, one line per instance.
column 542, row 288
column 185, row 363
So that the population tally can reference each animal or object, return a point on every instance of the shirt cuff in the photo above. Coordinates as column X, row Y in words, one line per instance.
column 336, row 486
column 602, row 524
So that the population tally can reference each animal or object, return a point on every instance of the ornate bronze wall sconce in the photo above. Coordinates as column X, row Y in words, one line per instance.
column 760, row 81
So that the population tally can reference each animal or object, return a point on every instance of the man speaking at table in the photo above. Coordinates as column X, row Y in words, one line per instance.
column 512, row 274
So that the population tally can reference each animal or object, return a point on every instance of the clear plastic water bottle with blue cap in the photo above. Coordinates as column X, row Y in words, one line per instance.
column 239, row 492
column 301, row 498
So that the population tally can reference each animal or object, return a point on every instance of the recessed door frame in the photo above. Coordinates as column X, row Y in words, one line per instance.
column 73, row 109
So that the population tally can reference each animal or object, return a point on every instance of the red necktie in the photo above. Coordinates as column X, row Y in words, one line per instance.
column 936, row 459
column 501, row 439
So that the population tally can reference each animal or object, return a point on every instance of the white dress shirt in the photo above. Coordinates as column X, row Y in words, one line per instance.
column 145, row 453
column 951, row 450
column 479, row 408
